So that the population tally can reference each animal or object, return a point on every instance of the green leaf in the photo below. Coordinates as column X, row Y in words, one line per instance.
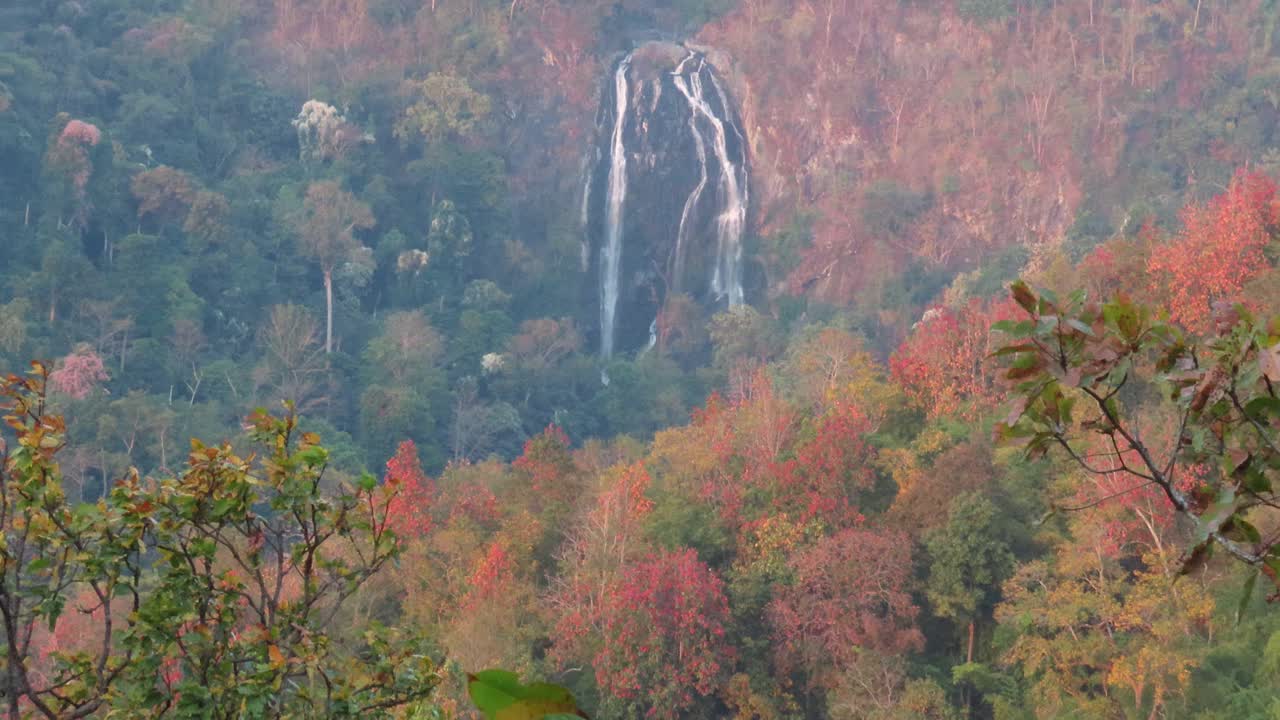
column 1014, row 328
column 1080, row 326
column 1246, row 596
column 1247, row 529
column 314, row 455
column 500, row 696
column 368, row 482
column 1259, row 407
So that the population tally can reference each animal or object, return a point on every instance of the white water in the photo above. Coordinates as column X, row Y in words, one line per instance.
column 611, row 256
column 745, row 184
column 710, row 139
column 692, row 200
column 726, row 276
column 588, row 172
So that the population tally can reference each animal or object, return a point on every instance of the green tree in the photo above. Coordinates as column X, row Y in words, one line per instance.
column 968, row 559
column 445, row 107
column 206, row 594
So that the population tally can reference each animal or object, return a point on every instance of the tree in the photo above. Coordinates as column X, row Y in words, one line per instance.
column 1222, row 394
column 851, row 595
column 544, row 342
column 323, row 134
column 943, row 365
column 164, row 193
column 329, row 220
column 546, row 466
column 13, row 325
column 741, row 334
column 410, row 512
column 444, row 107
column 666, row 645
column 1219, row 250
column 207, row 218
column 69, row 162
column 205, row 594
column 407, row 347
column 828, row 470
column 968, row 559
column 1092, row 638
column 592, row 557
column 78, row 374
column 293, row 366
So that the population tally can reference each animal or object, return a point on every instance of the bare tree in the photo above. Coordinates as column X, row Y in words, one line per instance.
column 294, row 367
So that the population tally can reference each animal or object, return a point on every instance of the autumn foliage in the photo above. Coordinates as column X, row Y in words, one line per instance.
column 1218, row 251
column 943, row 364
column 851, row 594
column 666, row 642
column 410, row 512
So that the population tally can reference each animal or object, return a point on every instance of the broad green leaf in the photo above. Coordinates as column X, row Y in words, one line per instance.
column 1259, row 407
column 1246, row 595
column 534, row 709
column 1080, row 326
column 500, row 696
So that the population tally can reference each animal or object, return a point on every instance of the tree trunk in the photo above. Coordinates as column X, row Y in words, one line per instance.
column 328, row 311
column 969, row 654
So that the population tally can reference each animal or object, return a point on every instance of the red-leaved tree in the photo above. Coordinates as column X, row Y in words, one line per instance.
column 944, row 363
column 547, row 466
column 827, row 470
column 596, row 550
column 68, row 157
column 491, row 577
column 1219, row 250
column 666, row 630
column 409, row 514
column 850, row 595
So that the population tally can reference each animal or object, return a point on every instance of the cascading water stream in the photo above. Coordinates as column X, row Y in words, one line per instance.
column 701, row 147
column 665, row 194
column 727, row 277
column 611, row 257
column 588, row 172
column 744, row 186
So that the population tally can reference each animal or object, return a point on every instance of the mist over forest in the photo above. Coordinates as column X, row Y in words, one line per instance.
column 742, row 359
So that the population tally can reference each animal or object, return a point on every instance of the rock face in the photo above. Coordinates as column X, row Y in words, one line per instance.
column 666, row 192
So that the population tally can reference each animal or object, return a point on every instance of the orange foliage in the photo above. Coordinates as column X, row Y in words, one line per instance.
column 409, row 513
column 944, row 364
column 999, row 123
column 1219, row 250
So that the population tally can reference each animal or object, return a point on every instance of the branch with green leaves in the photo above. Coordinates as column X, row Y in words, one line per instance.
column 1073, row 363
column 212, row 593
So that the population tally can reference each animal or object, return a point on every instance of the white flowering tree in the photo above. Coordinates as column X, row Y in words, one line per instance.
column 323, row 133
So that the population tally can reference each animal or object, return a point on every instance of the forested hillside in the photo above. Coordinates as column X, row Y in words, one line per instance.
column 789, row 504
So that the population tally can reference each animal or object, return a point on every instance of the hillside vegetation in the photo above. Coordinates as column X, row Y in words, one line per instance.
column 799, row 508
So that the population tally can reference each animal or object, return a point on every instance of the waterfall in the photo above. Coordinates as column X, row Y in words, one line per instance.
column 700, row 147
column 726, row 276
column 665, row 193
column 742, row 185
column 588, row 172
column 611, row 257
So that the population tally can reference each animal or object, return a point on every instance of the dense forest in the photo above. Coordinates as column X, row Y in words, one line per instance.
column 862, row 479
